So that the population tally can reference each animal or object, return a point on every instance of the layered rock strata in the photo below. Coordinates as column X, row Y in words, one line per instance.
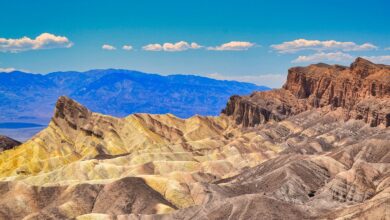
column 361, row 90
column 290, row 153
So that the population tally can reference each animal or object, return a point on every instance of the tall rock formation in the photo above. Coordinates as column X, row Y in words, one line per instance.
column 361, row 90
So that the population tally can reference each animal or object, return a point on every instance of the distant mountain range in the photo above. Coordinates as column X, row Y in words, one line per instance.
column 26, row 97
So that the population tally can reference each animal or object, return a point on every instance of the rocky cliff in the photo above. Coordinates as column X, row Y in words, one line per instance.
column 261, row 107
column 361, row 90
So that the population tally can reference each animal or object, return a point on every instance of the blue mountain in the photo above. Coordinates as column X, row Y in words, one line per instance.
column 31, row 97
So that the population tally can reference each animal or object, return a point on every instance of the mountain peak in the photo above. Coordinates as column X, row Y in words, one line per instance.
column 362, row 63
column 7, row 143
column 66, row 106
column 69, row 113
column 360, row 60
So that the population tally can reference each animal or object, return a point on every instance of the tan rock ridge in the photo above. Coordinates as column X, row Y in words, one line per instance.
column 171, row 155
column 362, row 91
column 272, row 154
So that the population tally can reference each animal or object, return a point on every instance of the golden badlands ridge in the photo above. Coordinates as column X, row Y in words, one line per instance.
column 319, row 148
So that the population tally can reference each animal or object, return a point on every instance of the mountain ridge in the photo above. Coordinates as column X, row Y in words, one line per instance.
column 284, row 158
column 124, row 90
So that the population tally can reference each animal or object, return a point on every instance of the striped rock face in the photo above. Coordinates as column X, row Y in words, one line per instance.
column 361, row 90
column 172, row 157
column 271, row 154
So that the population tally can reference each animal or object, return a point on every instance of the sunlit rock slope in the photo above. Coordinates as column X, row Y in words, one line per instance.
column 282, row 154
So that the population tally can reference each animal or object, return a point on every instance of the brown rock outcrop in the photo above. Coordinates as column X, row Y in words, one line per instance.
column 70, row 115
column 336, row 85
column 361, row 90
column 7, row 143
column 260, row 107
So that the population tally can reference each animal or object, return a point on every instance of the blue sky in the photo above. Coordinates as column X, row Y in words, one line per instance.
column 255, row 41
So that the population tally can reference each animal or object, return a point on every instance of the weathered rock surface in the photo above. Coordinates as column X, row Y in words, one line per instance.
column 361, row 90
column 128, row 195
column 291, row 153
column 170, row 154
column 261, row 107
column 328, row 169
column 7, row 143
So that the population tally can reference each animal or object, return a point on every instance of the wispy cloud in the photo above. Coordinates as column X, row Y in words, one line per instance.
column 195, row 45
column 152, row 47
column 172, row 47
column 270, row 80
column 233, row 45
column 378, row 59
column 6, row 70
column 387, row 48
column 316, row 45
column 322, row 57
column 11, row 69
column 43, row 41
column 108, row 47
column 127, row 47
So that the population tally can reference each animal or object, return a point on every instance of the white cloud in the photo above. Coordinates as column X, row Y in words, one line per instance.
column 152, row 47
column 379, row 59
column 108, row 47
column 127, row 47
column 233, row 45
column 387, row 48
column 321, row 57
column 195, row 45
column 11, row 69
column 270, row 80
column 179, row 46
column 43, row 41
column 303, row 44
column 172, row 47
column 7, row 70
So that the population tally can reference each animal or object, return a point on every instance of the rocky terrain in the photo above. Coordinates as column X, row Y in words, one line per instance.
column 361, row 90
column 319, row 148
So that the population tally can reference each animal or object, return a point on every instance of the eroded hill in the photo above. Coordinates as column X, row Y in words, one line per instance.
column 317, row 148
